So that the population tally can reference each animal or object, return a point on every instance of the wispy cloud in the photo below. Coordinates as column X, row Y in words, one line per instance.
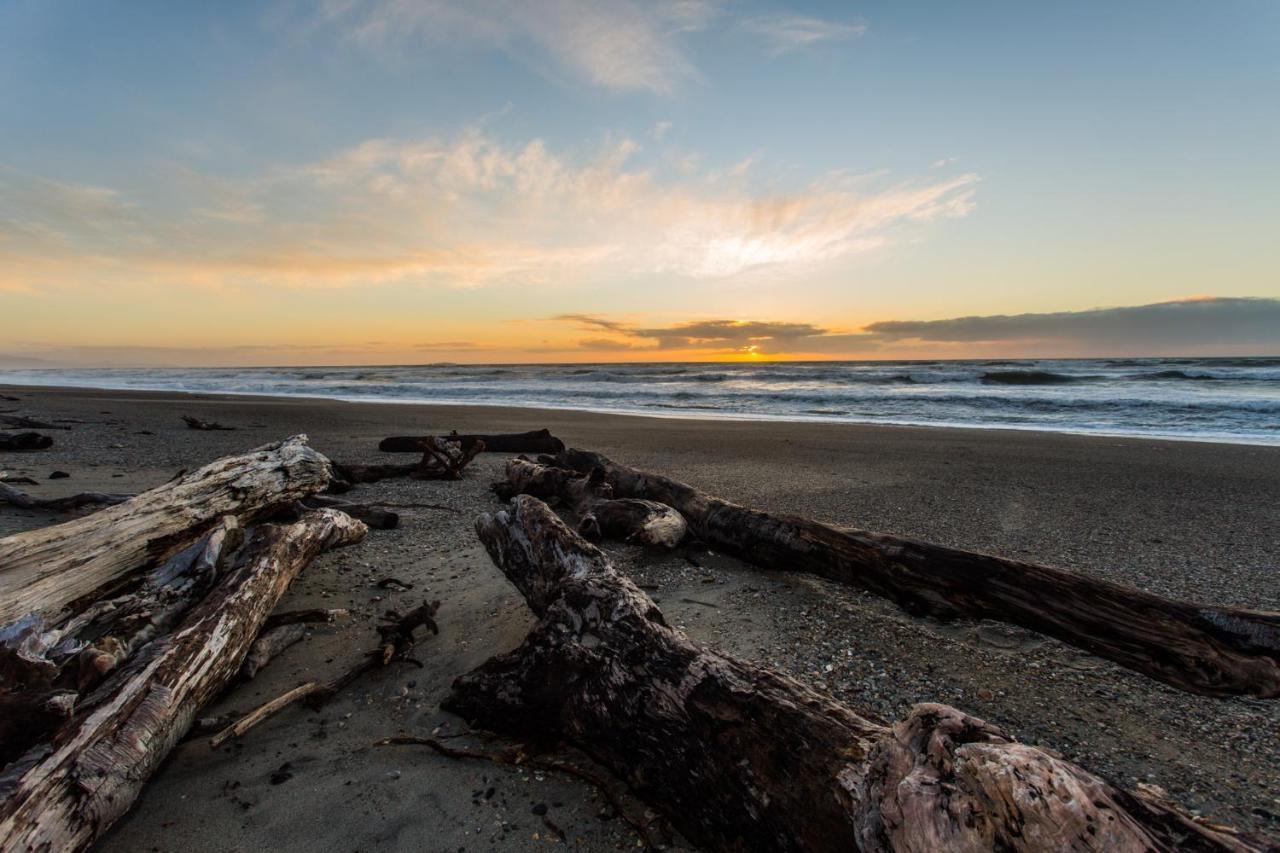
column 786, row 33
column 624, row 45
column 465, row 212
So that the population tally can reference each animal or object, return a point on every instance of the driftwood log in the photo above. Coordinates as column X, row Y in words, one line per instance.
column 63, row 795
column 1214, row 651
column 443, row 458
column 45, row 570
column 23, row 422
column 376, row 517
column 534, row 441
column 44, row 672
column 210, row 426
column 269, row 644
column 600, row 515
column 21, row 499
column 21, row 442
column 743, row 758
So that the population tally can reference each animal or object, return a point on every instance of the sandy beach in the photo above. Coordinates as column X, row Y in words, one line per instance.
column 1194, row 521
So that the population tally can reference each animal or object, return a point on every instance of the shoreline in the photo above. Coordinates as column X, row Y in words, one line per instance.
column 721, row 417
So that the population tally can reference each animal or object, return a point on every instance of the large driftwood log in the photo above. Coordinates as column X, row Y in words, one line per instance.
column 44, row 673
column 44, row 570
column 600, row 514
column 443, row 458
column 21, row 499
column 534, row 441
column 24, row 441
column 1215, row 651
column 743, row 758
column 64, row 795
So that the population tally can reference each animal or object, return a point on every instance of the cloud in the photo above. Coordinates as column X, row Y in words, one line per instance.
column 786, row 33
column 1185, row 325
column 1174, row 325
column 621, row 45
column 464, row 212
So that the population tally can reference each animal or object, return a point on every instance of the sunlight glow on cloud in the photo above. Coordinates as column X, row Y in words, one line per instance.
column 464, row 212
column 786, row 33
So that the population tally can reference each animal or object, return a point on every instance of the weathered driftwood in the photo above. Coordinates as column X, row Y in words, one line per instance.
column 600, row 514
column 310, row 616
column 443, row 458
column 397, row 642
column 23, row 422
column 375, row 517
column 64, row 795
column 44, row 673
column 10, row 495
column 1215, row 651
column 196, row 423
column 534, row 441
column 20, row 442
column 45, row 570
column 744, row 758
column 268, row 645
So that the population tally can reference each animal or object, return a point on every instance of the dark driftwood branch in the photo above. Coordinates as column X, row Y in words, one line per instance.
column 443, row 458
column 600, row 514
column 196, row 423
column 64, row 795
column 19, row 442
column 21, row 499
column 46, row 569
column 312, row 616
column 740, row 757
column 534, row 441
column 1216, row 651
column 522, row 756
column 377, row 517
column 22, row 422
column 397, row 642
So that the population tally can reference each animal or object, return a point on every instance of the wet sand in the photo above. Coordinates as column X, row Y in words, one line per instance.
column 1189, row 520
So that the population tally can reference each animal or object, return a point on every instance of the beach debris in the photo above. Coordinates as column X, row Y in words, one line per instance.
column 46, row 569
column 376, row 517
column 534, row 441
column 397, row 643
column 310, row 616
column 1212, row 651
column 389, row 582
column 66, row 791
column 600, row 514
column 21, row 499
column 22, row 422
column 564, row 759
column 739, row 756
column 443, row 458
column 211, row 426
column 18, row 481
column 268, row 645
column 58, row 475
column 20, row 442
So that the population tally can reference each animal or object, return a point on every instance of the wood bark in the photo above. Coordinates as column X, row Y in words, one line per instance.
column 45, row 570
column 45, row 672
column 1214, row 651
column 21, row 499
column 739, row 757
column 600, row 514
column 63, row 795
column 375, row 517
column 534, row 441
column 443, row 458
column 21, row 442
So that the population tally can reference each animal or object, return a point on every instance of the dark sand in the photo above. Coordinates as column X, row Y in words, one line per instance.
column 1190, row 520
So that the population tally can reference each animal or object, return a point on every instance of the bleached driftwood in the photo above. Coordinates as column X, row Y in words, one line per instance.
column 1215, row 651
column 64, row 795
column 739, row 757
column 44, row 570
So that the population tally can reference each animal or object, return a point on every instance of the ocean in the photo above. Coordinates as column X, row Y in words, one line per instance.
column 1220, row 399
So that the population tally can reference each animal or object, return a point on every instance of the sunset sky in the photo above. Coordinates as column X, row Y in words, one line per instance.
column 413, row 181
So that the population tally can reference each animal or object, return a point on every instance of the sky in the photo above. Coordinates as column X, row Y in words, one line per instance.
column 409, row 181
